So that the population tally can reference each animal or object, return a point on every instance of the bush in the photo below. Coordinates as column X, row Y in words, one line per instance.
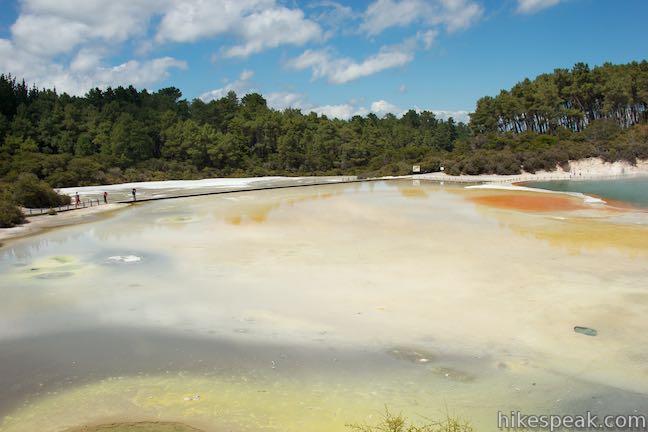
column 10, row 213
column 33, row 193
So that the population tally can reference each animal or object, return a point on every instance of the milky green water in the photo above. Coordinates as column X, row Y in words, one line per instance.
column 306, row 309
column 632, row 190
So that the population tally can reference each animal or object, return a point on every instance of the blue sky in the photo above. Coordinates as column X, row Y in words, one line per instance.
column 334, row 57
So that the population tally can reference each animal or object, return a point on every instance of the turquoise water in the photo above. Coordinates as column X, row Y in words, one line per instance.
column 632, row 191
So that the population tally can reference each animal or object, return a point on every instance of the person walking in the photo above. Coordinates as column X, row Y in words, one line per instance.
column 105, row 195
column 77, row 199
column 134, row 192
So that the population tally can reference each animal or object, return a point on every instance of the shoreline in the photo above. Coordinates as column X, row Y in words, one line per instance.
column 583, row 169
column 41, row 223
column 586, row 169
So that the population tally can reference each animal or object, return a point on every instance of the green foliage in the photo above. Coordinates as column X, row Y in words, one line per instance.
column 570, row 99
column 10, row 213
column 122, row 134
column 397, row 423
column 31, row 192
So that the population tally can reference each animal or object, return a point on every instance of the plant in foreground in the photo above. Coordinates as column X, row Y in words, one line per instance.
column 397, row 423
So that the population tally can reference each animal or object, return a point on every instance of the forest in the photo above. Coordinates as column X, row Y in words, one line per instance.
column 125, row 134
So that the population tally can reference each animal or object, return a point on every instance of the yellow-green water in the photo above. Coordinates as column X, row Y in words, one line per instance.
column 305, row 309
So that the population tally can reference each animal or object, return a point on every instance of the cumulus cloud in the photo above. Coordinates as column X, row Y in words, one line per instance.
column 383, row 107
column 51, row 27
column 458, row 116
column 66, row 42
column 259, row 24
column 272, row 28
column 241, row 86
column 86, row 70
column 341, row 111
column 190, row 20
column 454, row 14
column 283, row 100
column 532, row 6
column 340, row 70
column 344, row 111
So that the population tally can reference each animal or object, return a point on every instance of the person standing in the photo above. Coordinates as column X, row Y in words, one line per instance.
column 134, row 192
column 105, row 195
column 77, row 199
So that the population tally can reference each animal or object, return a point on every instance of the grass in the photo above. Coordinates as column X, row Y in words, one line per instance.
column 397, row 423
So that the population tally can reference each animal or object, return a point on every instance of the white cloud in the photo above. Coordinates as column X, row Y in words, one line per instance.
column 259, row 24
column 458, row 116
column 272, row 28
column 241, row 86
column 402, row 89
column 190, row 20
column 283, row 100
column 337, row 18
column 340, row 70
column 246, row 75
column 383, row 107
column 47, row 35
column 66, row 42
column 342, row 111
column 85, row 71
column 532, row 6
column 454, row 14
column 51, row 27
column 427, row 37
column 86, row 60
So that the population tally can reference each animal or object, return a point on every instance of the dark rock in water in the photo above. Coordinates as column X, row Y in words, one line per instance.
column 585, row 331
column 54, row 275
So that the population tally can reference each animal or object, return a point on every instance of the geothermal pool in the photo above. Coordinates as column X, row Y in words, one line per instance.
column 627, row 190
column 309, row 308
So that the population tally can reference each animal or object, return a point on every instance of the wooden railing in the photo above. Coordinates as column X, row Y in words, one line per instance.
column 62, row 208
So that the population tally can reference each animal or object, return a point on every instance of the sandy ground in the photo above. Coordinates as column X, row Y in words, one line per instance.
column 583, row 169
column 37, row 224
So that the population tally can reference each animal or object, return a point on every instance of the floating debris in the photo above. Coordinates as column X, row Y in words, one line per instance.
column 587, row 331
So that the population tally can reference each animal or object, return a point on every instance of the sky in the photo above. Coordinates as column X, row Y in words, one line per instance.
column 338, row 58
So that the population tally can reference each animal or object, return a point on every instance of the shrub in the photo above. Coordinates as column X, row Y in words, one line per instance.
column 397, row 423
column 33, row 193
column 10, row 213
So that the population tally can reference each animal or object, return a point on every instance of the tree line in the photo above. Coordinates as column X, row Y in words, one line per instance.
column 570, row 99
column 125, row 134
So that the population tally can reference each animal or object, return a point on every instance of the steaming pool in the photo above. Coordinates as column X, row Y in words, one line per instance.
column 306, row 309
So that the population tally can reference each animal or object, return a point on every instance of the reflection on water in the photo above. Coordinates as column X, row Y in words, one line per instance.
column 305, row 309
